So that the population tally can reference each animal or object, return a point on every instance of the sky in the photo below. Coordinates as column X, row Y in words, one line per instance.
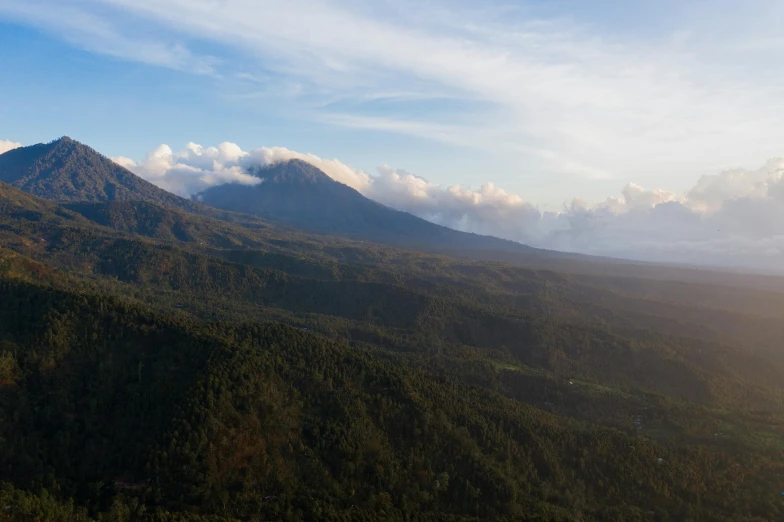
column 648, row 130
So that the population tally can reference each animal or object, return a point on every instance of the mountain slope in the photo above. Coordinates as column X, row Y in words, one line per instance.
column 66, row 170
column 91, row 234
column 469, row 305
column 294, row 193
column 298, row 193
column 141, row 371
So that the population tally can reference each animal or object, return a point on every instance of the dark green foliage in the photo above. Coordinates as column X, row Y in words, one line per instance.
column 247, row 421
column 145, row 375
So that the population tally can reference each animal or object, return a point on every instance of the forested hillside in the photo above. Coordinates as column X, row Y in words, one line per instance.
column 247, row 420
column 157, row 364
column 66, row 170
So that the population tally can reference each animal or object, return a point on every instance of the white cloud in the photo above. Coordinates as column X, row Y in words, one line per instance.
column 488, row 210
column 734, row 218
column 6, row 145
column 196, row 168
column 193, row 169
column 552, row 94
column 333, row 168
column 712, row 191
column 86, row 28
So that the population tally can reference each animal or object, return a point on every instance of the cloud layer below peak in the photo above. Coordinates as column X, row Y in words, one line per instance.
column 734, row 218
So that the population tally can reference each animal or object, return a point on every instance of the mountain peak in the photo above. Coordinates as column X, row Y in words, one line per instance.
column 67, row 170
column 64, row 141
column 293, row 171
column 298, row 193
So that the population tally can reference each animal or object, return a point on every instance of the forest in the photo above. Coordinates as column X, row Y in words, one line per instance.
column 160, row 363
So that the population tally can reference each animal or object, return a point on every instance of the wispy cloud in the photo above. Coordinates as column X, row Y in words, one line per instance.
column 550, row 94
column 98, row 31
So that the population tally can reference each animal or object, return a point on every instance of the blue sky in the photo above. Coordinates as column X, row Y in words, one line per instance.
column 547, row 100
column 347, row 79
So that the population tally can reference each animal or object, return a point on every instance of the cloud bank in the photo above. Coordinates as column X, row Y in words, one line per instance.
column 6, row 145
column 733, row 219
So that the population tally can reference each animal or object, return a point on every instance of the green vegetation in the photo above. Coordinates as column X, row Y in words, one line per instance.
column 66, row 170
column 162, row 365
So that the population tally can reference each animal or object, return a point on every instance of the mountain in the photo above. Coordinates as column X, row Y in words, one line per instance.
column 66, row 170
column 300, row 194
column 292, row 193
column 160, row 365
